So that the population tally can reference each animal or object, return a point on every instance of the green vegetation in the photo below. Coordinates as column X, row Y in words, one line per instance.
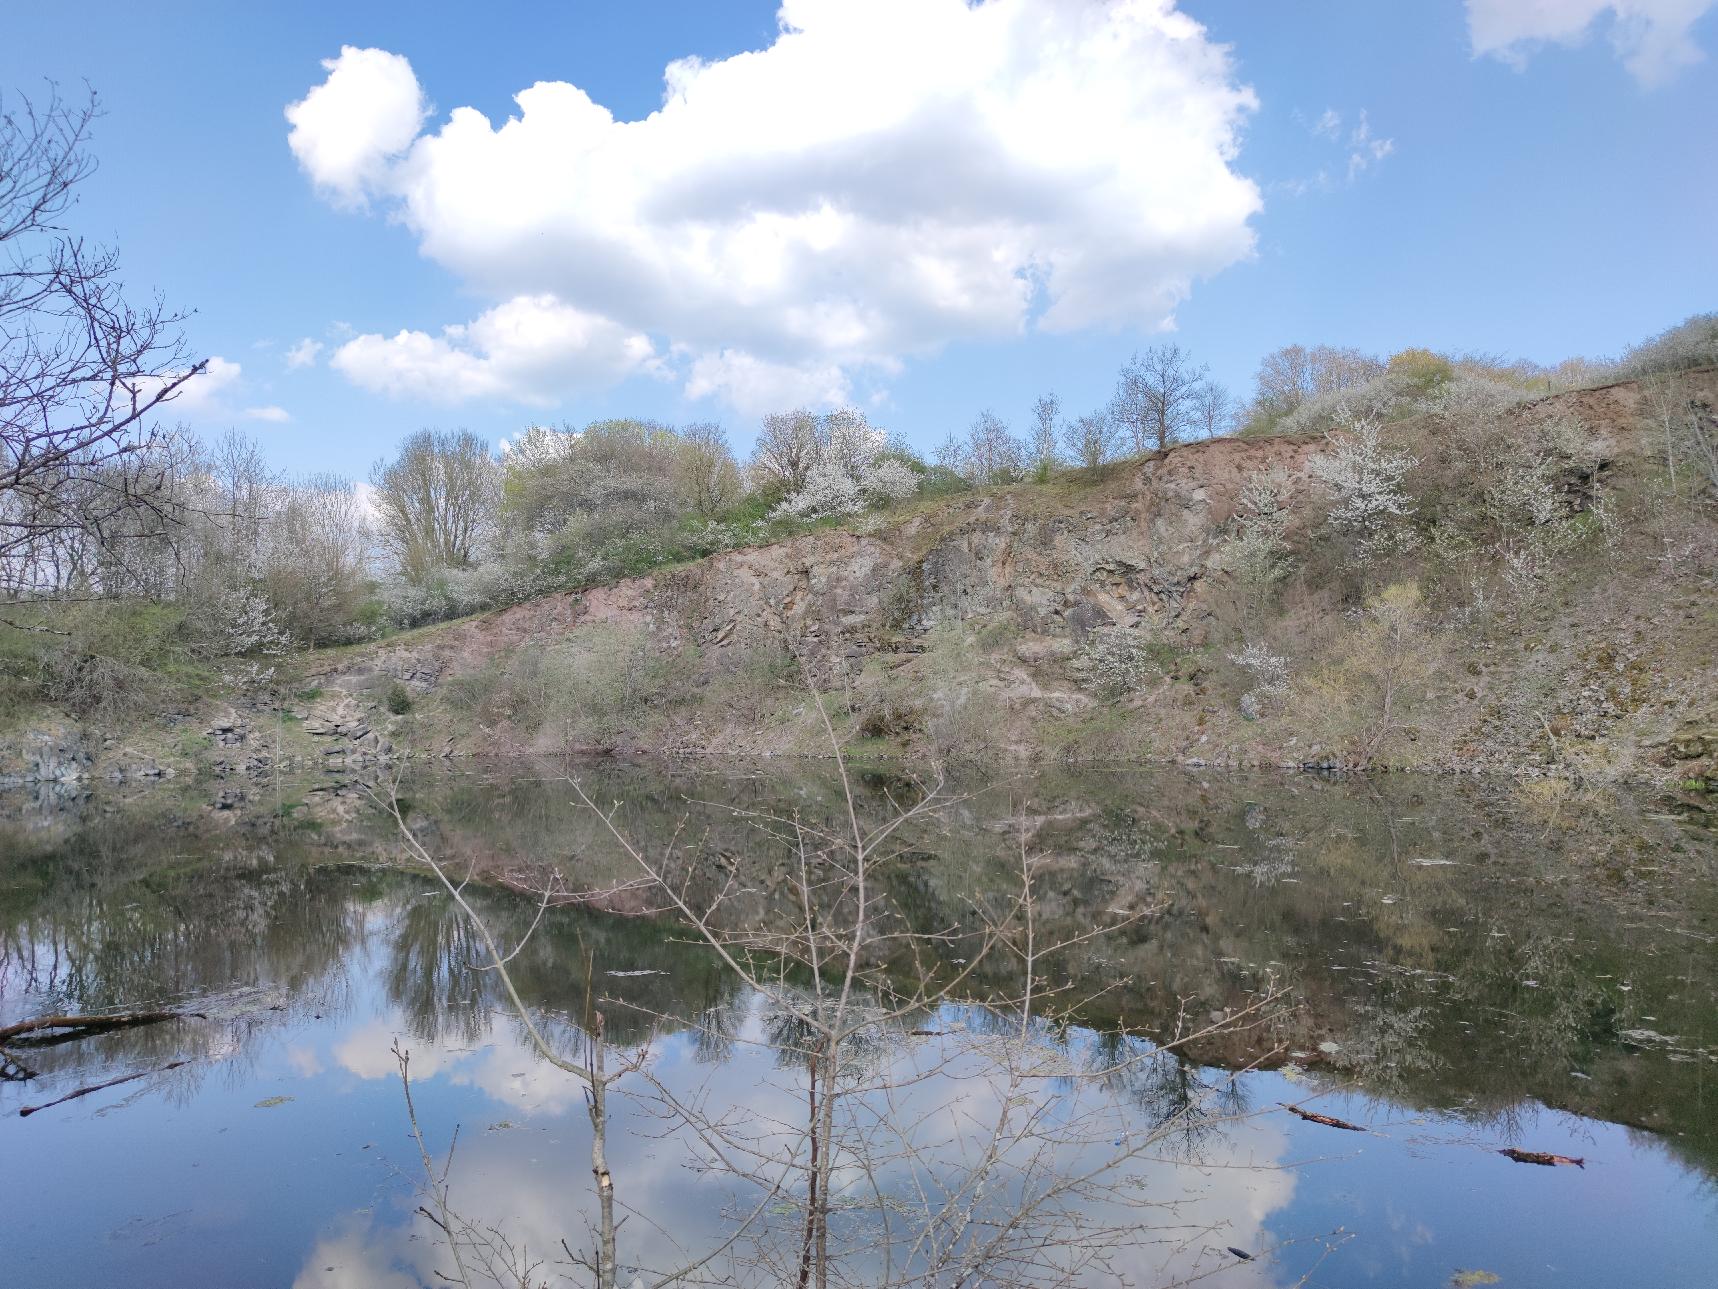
column 1447, row 517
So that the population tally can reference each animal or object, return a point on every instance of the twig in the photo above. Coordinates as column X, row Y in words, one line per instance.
column 29, row 1110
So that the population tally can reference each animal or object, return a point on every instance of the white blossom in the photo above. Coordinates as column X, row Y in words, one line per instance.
column 1366, row 480
column 850, row 471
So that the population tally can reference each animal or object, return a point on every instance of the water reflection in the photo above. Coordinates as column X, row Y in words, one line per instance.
column 1457, row 968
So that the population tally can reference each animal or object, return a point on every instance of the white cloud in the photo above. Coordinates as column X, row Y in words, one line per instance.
column 755, row 386
column 303, row 354
column 1359, row 147
column 365, row 495
column 347, row 130
column 205, row 392
column 505, row 1068
column 212, row 396
column 1654, row 38
column 1365, row 149
column 886, row 177
column 532, row 349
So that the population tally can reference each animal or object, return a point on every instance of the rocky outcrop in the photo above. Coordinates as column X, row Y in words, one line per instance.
column 1137, row 549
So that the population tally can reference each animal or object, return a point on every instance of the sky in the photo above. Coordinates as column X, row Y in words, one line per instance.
column 388, row 216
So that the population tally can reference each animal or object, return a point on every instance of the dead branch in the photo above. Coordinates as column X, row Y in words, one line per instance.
column 1327, row 1120
column 1543, row 1158
column 26, row 1111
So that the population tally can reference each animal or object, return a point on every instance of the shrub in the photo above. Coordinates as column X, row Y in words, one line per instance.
column 1692, row 342
column 1116, row 661
column 888, row 715
column 1269, row 673
column 1257, row 552
column 398, row 699
column 1420, row 370
column 1383, row 398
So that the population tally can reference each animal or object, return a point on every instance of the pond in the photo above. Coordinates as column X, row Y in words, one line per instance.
column 1446, row 969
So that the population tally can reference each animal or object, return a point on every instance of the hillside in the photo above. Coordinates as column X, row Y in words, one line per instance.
column 1101, row 616
column 974, row 626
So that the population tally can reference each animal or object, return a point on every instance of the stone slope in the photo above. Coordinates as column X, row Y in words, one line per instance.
column 961, row 620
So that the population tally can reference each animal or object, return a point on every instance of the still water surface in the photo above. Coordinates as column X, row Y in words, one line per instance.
column 1463, row 969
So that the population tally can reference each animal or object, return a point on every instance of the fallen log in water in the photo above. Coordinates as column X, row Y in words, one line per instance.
column 27, row 1111
column 78, row 1026
column 1542, row 1158
column 1327, row 1120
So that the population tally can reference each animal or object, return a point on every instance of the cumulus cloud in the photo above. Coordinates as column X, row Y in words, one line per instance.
column 755, row 386
column 1654, row 38
column 205, row 392
column 212, row 396
column 886, row 177
column 347, row 130
column 303, row 354
column 533, row 349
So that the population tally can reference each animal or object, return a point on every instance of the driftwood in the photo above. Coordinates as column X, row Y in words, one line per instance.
column 29, row 1110
column 1542, row 1158
column 78, row 1026
column 1325, row 1119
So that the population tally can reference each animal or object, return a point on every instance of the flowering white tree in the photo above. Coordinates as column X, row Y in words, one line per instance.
column 1365, row 478
column 1116, row 661
column 850, row 471
column 1269, row 673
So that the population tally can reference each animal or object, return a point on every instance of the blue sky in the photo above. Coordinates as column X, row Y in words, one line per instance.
column 1553, row 196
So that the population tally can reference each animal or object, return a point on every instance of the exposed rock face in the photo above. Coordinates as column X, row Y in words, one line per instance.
column 1026, row 574
column 57, row 754
column 1138, row 549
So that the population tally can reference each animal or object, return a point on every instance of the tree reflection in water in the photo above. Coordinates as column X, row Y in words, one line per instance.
column 1448, row 956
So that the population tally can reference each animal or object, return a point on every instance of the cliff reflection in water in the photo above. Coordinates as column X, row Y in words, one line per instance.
column 1457, row 958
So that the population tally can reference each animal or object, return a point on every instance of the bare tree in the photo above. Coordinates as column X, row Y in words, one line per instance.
column 1045, row 439
column 1090, row 439
column 1289, row 376
column 1156, row 397
column 1213, row 411
column 951, row 454
column 993, row 454
column 314, row 569
column 787, row 448
column 82, row 370
column 1257, row 551
column 435, row 500
column 869, row 1186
